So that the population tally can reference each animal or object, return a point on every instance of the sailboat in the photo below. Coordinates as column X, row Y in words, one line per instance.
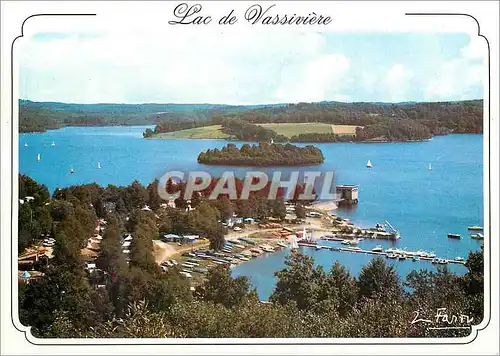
column 369, row 164
column 98, row 165
column 430, row 167
column 294, row 244
column 38, row 158
column 71, row 171
column 25, row 144
column 53, row 144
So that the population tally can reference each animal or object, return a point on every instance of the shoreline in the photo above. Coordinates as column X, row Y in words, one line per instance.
column 325, row 206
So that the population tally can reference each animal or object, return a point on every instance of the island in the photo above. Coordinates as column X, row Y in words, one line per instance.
column 264, row 154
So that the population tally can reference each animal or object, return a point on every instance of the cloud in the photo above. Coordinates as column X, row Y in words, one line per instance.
column 210, row 66
column 457, row 78
column 319, row 79
column 397, row 81
column 237, row 66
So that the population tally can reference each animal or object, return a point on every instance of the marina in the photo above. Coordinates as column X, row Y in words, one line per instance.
column 423, row 223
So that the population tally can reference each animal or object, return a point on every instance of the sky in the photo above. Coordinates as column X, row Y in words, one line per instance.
column 251, row 67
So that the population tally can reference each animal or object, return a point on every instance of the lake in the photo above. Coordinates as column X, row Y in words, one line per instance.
column 424, row 205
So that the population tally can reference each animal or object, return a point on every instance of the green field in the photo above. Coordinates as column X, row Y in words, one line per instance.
column 292, row 129
column 213, row 132
column 285, row 129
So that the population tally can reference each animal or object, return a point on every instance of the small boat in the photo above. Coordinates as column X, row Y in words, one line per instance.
column 53, row 144
column 415, row 258
column 98, row 165
column 38, row 158
column 477, row 236
column 430, row 167
column 402, row 257
column 475, row 228
column 369, row 164
column 459, row 258
column 377, row 249
column 281, row 244
column 25, row 144
column 392, row 256
column 442, row 262
column 454, row 236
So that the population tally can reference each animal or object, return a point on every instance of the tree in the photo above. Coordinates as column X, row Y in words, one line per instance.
column 300, row 282
column 379, row 278
column 300, row 211
column 223, row 289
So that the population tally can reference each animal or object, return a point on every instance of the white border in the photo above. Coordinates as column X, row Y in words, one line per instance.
column 354, row 16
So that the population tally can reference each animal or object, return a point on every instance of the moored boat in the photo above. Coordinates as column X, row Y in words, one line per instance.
column 454, row 236
column 477, row 236
column 475, row 228
column 377, row 249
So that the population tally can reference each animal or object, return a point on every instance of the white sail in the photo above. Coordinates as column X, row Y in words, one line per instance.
column 53, row 144
column 294, row 245
column 38, row 157
column 430, row 167
column 369, row 164
column 99, row 165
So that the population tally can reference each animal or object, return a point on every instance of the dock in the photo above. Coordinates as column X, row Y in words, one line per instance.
column 386, row 254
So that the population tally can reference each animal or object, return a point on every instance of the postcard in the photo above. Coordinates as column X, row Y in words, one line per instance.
column 289, row 177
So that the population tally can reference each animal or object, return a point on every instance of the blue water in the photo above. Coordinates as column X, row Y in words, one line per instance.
column 423, row 205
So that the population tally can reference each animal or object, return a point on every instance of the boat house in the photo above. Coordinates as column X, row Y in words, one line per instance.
column 347, row 194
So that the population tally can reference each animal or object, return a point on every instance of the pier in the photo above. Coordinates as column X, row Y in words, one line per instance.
column 386, row 254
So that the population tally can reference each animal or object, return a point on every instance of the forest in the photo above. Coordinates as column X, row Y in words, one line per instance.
column 263, row 154
column 134, row 298
column 41, row 116
column 457, row 117
column 377, row 118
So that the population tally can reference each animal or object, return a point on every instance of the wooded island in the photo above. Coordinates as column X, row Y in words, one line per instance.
column 264, row 154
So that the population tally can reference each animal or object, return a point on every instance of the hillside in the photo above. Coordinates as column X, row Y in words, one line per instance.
column 377, row 119
column 41, row 116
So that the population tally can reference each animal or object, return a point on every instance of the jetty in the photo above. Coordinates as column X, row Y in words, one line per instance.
column 406, row 254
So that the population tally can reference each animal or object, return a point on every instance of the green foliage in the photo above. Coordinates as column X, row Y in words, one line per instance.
column 264, row 154
column 301, row 282
column 221, row 288
column 321, row 137
column 307, row 301
column 245, row 131
column 394, row 130
column 379, row 278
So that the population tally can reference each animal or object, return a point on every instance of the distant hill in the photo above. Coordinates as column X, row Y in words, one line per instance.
column 463, row 116
column 40, row 116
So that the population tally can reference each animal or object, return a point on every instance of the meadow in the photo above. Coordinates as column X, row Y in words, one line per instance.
column 285, row 129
